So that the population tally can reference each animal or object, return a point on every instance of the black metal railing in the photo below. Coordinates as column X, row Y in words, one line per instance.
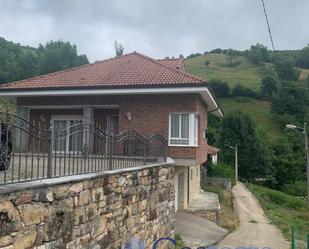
column 34, row 150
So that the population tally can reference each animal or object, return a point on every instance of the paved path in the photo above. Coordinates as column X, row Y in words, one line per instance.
column 197, row 231
column 255, row 229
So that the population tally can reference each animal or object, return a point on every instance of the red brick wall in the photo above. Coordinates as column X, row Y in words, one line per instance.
column 150, row 114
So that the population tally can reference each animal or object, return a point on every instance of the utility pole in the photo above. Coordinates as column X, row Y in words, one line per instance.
column 236, row 164
column 305, row 132
column 236, row 161
column 307, row 159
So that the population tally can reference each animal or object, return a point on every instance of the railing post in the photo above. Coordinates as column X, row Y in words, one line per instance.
column 293, row 237
column 144, row 152
column 111, row 141
column 49, row 153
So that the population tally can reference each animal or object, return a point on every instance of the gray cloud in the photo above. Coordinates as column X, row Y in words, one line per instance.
column 157, row 28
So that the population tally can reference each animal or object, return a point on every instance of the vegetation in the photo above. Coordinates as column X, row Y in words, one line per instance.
column 284, row 211
column 19, row 62
column 254, row 156
column 273, row 94
column 222, row 170
column 229, row 218
column 245, row 74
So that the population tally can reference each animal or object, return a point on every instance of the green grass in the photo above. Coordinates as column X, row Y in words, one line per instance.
column 245, row 74
column 284, row 211
column 258, row 110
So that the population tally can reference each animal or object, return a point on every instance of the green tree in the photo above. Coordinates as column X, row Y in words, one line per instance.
column 269, row 87
column 258, row 53
column 286, row 70
column 58, row 55
column 220, row 88
column 303, row 58
column 242, row 91
column 290, row 102
column 254, row 155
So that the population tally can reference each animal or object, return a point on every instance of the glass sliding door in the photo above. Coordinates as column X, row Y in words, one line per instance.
column 67, row 135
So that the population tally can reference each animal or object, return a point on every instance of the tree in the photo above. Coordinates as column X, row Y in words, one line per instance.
column 230, row 56
column 254, row 156
column 242, row 91
column 118, row 48
column 269, row 87
column 58, row 55
column 286, row 70
column 220, row 88
column 290, row 102
column 303, row 58
column 258, row 53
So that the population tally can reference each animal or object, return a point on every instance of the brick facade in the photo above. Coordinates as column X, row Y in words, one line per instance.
column 150, row 114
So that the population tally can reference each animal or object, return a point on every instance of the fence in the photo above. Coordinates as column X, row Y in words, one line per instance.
column 35, row 150
column 294, row 244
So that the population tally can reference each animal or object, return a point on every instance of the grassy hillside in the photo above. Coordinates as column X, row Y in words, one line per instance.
column 284, row 211
column 245, row 73
column 259, row 111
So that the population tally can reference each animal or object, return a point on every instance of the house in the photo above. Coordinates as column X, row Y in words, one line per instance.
column 132, row 91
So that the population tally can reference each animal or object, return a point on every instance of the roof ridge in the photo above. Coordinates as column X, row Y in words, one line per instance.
column 170, row 68
column 64, row 70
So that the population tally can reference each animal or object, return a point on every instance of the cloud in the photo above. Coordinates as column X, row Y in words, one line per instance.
column 157, row 28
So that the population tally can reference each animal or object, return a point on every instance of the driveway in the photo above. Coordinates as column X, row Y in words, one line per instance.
column 197, row 231
column 255, row 229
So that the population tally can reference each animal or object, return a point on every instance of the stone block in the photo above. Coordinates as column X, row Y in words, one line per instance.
column 9, row 219
column 76, row 188
column 84, row 197
column 32, row 213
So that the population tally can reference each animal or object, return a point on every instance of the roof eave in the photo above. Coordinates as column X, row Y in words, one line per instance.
column 200, row 89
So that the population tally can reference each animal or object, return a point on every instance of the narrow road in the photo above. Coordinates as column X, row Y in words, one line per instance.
column 255, row 229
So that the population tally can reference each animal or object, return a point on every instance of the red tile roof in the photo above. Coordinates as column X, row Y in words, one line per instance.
column 131, row 70
column 212, row 150
column 174, row 63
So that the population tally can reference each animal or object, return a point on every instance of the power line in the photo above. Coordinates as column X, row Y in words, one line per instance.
column 269, row 31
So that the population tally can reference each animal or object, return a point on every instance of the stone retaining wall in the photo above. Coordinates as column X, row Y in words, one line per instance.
column 102, row 212
column 224, row 183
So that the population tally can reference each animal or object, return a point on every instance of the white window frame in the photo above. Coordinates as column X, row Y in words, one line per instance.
column 66, row 118
column 193, row 130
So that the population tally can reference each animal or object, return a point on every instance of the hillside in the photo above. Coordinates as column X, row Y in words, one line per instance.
column 245, row 73
column 258, row 110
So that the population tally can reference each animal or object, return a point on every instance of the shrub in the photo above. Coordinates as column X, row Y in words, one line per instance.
column 222, row 170
column 206, row 62
column 242, row 91
column 220, row 88
column 298, row 188
column 279, row 198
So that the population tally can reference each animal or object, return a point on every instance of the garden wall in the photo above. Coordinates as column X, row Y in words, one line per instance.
column 99, row 211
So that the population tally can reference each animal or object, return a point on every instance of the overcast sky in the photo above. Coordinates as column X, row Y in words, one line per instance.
column 157, row 28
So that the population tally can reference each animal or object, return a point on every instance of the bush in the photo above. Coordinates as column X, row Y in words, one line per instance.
column 222, row 170
column 298, row 188
column 220, row 88
column 285, row 69
column 282, row 199
column 269, row 87
column 242, row 91
column 206, row 62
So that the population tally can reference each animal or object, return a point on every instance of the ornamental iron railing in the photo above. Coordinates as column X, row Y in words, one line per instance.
column 36, row 150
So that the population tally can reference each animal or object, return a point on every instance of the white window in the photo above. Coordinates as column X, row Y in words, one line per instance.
column 183, row 129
